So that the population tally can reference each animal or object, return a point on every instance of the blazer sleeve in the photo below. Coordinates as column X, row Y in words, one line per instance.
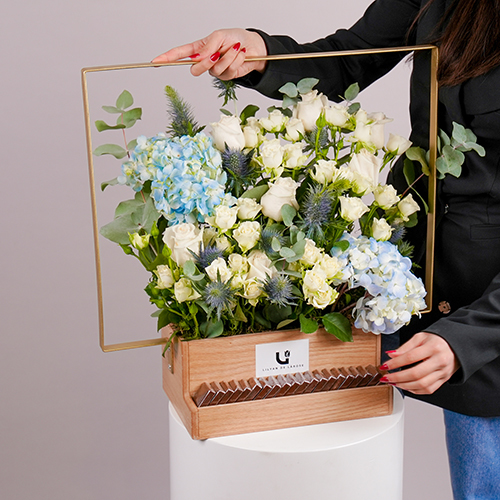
column 385, row 24
column 473, row 331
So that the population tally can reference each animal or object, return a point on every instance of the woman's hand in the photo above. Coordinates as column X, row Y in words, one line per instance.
column 434, row 363
column 221, row 53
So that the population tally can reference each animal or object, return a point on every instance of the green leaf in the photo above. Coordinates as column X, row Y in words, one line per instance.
column 289, row 102
column 256, row 193
column 308, row 325
column 225, row 112
column 338, row 325
column 459, row 134
column 418, row 154
column 112, row 109
column 248, row 112
column 299, row 248
column 288, row 213
column 409, row 171
column 354, row 108
column 166, row 318
column 131, row 116
column 101, row 126
column 275, row 244
column 289, row 89
column 287, row 253
column 112, row 182
column 352, row 92
column 125, row 100
column 239, row 315
column 213, row 330
column 284, row 323
column 189, row 268
column 110, row 149
column 132, row 144
column 306, row 85
column 342, row 244
column 276, row 314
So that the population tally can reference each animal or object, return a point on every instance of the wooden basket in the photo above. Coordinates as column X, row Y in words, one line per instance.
column 187, row 365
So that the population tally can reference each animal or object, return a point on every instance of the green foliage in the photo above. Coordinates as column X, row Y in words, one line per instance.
column 182, row 121
column 227, row 89
column 338, row 325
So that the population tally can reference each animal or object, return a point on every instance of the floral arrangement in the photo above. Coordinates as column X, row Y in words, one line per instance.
column 264, row 223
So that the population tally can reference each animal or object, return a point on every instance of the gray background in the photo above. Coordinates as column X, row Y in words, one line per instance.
column 76, row 423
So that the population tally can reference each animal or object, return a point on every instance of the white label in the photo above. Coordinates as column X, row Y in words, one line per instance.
column 281, row 358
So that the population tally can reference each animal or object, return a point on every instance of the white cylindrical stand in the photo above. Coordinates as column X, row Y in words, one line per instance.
column 354, row 460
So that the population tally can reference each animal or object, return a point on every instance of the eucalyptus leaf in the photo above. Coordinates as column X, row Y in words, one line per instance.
column 409, row 171
column 338, row 325
column 225, row 112
column 110, row 149
column 306, row 85
column 132, row 144
column 289, row 89
column 459, row 134
column 112, row 182
column 189, row 268
column 289, row 101
column 308, row 325
column 352, row 92
column 125, row 100
column 256, row 193
column 101, row 126
column 131, row 116
column 275, row 244
column 354, row 108
column 111, row 109
column 287, row 253
column 288, row 213
column 213, row 330
column 418, row 154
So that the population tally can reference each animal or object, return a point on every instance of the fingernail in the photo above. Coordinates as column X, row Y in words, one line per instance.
column 390, row 352
column 215, row 57
column 237, row 46
column 243, row 50
column 384, row 367
column 385, row 380
column 194, row 56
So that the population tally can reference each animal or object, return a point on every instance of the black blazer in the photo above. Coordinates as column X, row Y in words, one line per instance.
column 467, row 272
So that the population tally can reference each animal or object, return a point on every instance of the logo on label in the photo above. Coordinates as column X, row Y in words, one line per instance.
column 285, row 361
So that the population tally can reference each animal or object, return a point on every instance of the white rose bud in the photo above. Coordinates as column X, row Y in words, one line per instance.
column 260, row 266
column 351, row 209
column 251, row 291
column 312, row 254
column 274, row 122
column 294, row 128
column 309, row 109
column 293, row 156
column 397, row 144
column 407, row 206
column 370, row 128
column 247, row 235
column 381, row 230
column 271, row 153
column 366, row 169
column 184, row 291
column 323, row 297
column 331, row 266
column 182, row 239
column 248, row 208
column 336, row 115
column 252, row 133
column 165, row 278
column 139, row 242
column 281, row 192
column 325, row 171
column 238, row 263
column 225, row 217
column 314, row 280
column 385, row 196
column 227, row 132
column 218, row 268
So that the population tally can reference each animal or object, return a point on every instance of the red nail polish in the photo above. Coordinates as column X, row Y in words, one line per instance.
column 194, row 56
column 384, row 379
column 390, row 352
column 215, row 57
column 384, row 367
column 243, row 50
column 237, row 46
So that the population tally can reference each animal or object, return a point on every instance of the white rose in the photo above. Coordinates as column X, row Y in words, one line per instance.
column 312, row 254
column 325, row 171
column 370, row 128
column 323, row 297
column 251, row 291
column 248, row 208
column 182, row 239
column 352, row 209
column 260, row 266
column 407, row 206
column 274, row 122
column 294, row 129
column 397, row 144
column 247, row 234
column 381, row 230
column 238, row 263
column 139, row 242
column 366, row 169
column 281, row 192
column 252, row 133
column 183, row 291
column 309, row 109
column 331, row 266
column 218, row 268
column 222, row 243
column 227, row 132
column 165, row 278
column 225, row 217
column 271, row 153
column 336, row 115
column 314, row 280
column 293, row 156
column 385, row 196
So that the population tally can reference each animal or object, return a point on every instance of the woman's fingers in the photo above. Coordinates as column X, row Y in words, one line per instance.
column 426, row 362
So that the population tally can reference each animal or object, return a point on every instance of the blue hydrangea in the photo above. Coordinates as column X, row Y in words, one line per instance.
column 187, row 179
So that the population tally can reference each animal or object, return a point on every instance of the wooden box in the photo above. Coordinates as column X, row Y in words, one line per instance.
column 188, row 365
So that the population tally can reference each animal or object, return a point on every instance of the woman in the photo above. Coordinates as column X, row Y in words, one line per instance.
column 451, row 357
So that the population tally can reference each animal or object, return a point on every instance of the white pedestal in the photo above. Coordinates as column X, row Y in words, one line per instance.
column 355, row 460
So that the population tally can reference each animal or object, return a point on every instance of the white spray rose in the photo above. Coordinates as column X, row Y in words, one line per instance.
column 385, row 196
column 293, row 156
column 312, row 254
column 294, row 128
column 370, row 128
column 247, row 235
column 252, row 132
column 336, row 115
column 281, row 192
column 274, row 122
column 407, row 206
column 323, row 297
column 225, row 217
column 184, row 291
column 251, row 291
column 397, row 144
column 331, row 266
column 182, row 239
column 248, row 208
column 218, row 268
column 238, row 264
column 381, row 230
column 351, row 209
column 314, row 280
column 260, row 266
column 227, row 132
column 271, row 153
column 309, row 109
column 366, row 169
column 325, row 171
column 165, row 277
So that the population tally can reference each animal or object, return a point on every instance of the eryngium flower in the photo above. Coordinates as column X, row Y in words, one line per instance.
column 266, row 239
column 316, row 212
column 219, row 297
column 207, row 255
column 237, row 166
column 279, row 290
column 181, row 115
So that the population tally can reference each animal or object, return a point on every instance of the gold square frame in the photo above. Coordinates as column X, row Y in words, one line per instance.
column 433, row 133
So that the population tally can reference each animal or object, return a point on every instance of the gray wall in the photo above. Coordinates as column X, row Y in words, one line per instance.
column 76, row 423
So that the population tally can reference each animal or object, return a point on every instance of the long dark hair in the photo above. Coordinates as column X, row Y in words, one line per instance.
column 468, row 39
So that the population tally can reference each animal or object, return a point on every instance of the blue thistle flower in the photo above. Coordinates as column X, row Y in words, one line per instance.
column 279, row 290
column 219, row 297
column 207, row 255
column 182, row 117
column 316, row 212
column 227, row 88
column 237, row 165
column 266, row 239
column 398, row 233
